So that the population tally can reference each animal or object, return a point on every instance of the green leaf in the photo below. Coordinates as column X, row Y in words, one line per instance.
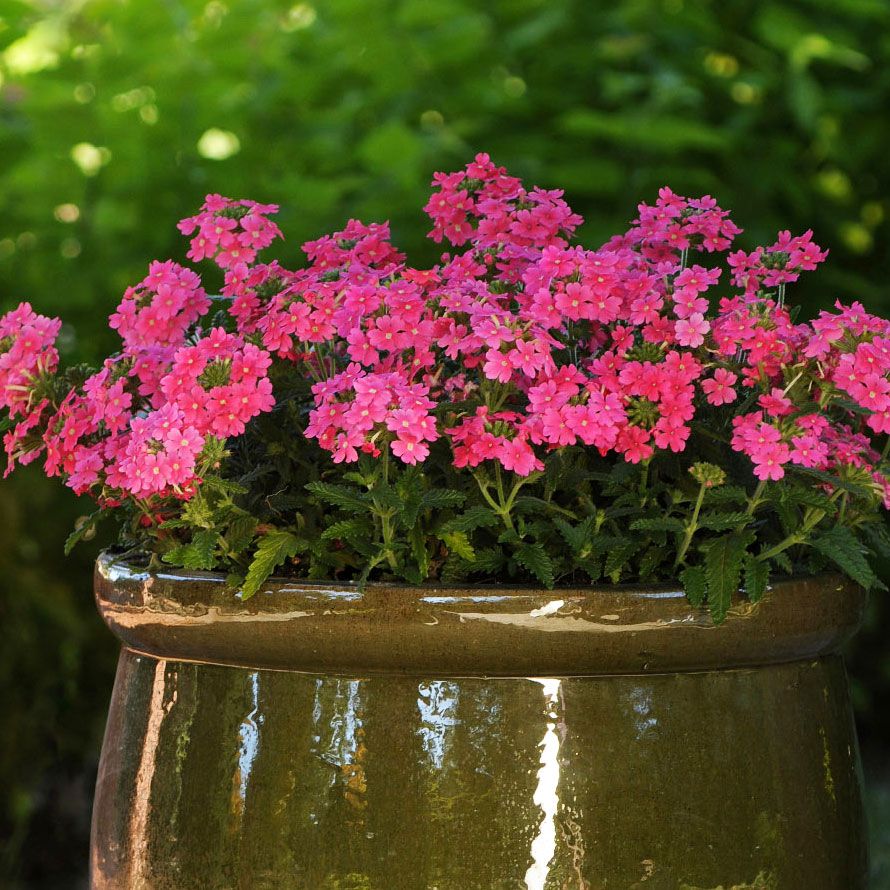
column 853, row 487
column 385, row 496
column 341, row 496
column 723, row 565
column 419, row 551
column 617, row 557
column 347, row 530
column 457, row 542
column 437, row 498
column 272, row 550
column 658, row 524
column 534, row 558
column 575, row 535
column 695, row 585
column 845, row 550
column 240, row 533
column 878, row 536
column 652, row 558
column 85, row 529
column 410, row 492
column 726, row 494
column 490, row 560
column 475, row 517
column 200, row 553
column 756, row 577
column 722, row 522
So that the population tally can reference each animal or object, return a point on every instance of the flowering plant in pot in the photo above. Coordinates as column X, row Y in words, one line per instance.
column 420, row 456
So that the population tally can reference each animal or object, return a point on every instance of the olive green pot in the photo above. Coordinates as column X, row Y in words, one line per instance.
column 394, row 738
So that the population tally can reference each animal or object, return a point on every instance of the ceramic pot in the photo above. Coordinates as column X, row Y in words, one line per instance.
column 394, row 738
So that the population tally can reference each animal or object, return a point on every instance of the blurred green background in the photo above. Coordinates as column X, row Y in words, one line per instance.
column 117, row 116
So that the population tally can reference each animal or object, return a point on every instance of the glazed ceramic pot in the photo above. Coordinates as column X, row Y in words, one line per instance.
column 394, row 738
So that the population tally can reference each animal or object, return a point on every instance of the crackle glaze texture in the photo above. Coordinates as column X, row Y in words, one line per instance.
column 324, row 738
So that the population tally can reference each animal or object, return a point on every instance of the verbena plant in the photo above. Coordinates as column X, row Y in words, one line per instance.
column 528, row 409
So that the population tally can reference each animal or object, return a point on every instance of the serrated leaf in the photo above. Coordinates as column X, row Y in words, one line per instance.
column 783, row 561
column 272, row 550
column 879, row 537
column 721, row 522
column 475, row 517
column 341, row 496
column 200, row 553
column 726, row 494
column 723, row 566
column 695, row 585
column 347, row 529
column 490, row 560
column 576, row 536
column 658, row 524
column 591, row 567
column 437, row 498
column 410, row 492
column 618, row 556
column 830, row 479
column 534, row 558
column 652, row 558
column 845, row 550
column 384, row 495
column 240, row 532
column 459, row 543
column 419, row 552
column 86, row 529
column 756, row 577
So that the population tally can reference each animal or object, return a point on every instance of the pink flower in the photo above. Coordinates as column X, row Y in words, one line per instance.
column 719, row 388
column 691, row 331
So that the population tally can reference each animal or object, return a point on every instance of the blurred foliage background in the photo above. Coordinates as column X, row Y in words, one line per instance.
column 117, row 116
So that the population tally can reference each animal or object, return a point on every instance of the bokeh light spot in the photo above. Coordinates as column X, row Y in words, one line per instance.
column 217, row 145
column 67, row 213
column 90, row 158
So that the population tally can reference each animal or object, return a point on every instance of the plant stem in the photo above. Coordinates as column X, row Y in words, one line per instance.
column 386, row 514
column 754, row 501
column 691, row 527
column 811, row 519
column 503, row 505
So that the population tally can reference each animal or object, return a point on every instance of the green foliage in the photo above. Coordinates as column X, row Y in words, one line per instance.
column 272, row 550
column 843, row 548
column 723, row 565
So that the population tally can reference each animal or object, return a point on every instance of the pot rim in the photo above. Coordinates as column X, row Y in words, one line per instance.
column 473, row 630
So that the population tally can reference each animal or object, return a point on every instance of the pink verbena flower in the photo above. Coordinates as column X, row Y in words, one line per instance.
column 27, row 353
column 161, row 308
column 219, row 384
column 719, row 389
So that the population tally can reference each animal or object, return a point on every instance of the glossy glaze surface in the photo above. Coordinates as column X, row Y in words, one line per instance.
column 220, row 778
column 489, row 774
column 440, row 631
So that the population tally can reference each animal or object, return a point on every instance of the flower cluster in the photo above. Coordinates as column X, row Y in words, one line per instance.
column 230, row 232
column 518, row 349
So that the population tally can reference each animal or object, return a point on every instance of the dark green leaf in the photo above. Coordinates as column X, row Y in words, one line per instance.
column 756, row 577
column 695, row 585
column 721, row 522
column 475, row 517
column 534, row 558
column 845, row 550
column 272, row 550
column 658, row 524
column 85, row 530
column 723, row 564
column 341, row 496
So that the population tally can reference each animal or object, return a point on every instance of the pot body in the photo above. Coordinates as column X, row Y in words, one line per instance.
column 224, row 776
